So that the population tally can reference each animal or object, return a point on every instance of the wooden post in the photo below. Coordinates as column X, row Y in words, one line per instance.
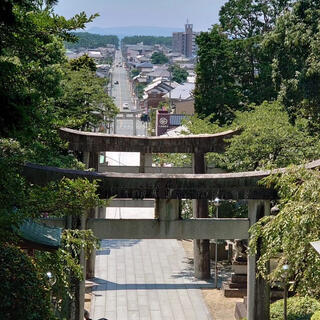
column 201, row 249
column 258, row 291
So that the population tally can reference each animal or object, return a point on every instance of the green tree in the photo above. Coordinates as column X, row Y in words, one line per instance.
column 147, row 40
column 286, row 237
column 30, row 58
column 245, row 19
column 178, row 74
column 84, row 102
column 83, row 62
column 91, row 40
column 217, row 91
column 239, row 65
column 294, row 47
column 134, row 73
column 159, row 58
column 139, row 90
column 268, row 140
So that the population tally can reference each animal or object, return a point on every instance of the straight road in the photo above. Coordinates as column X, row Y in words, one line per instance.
column 121, row 91
column 142, row 279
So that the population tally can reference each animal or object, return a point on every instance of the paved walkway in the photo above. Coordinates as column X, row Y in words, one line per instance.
column 146, row 279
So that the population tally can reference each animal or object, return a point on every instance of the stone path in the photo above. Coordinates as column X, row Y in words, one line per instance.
column 146, row 279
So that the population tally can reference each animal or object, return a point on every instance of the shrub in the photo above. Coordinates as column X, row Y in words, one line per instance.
column 22, row 292
column 298, row 308
column 316, row 316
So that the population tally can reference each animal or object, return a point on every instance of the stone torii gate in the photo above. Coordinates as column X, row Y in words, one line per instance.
column 91, row 144
column 167, row 189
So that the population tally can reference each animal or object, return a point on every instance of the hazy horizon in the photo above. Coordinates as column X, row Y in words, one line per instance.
column 169, row 14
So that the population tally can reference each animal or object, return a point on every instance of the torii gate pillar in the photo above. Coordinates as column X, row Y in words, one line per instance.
column 258, row 291
column 200, row 210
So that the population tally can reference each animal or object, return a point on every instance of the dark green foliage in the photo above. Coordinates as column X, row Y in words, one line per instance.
column 178, row 74
column 84, row 102
column 247, row 18
column 13, row 189
column 270, row 52
column 64, row 265
column 159, row 58
column 286, row 237
column 83, row 62
column 294, row 47
column 22, row 291
column 139, row 90
column 148, row 40
column 30, row 58
column 91, row 40
column 268, row 140
column 134, row 73
column 233, row 69
column 63, row 198
column 299, row 308
column 217, row 91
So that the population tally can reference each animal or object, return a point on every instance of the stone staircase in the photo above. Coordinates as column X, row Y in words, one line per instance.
column 236, row 287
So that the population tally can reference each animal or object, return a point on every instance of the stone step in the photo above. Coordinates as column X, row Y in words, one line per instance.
column 240, row 311
column 233, row 292
column 239, row 285
column 239, row 278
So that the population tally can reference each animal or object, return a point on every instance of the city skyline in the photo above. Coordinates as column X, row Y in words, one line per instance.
column 125, row 13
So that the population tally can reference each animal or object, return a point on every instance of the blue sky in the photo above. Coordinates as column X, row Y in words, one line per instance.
column 162, row 13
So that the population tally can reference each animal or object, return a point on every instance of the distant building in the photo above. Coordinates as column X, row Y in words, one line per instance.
column 185, row 42
column 144, row 67
column 154, row 92
column 182, row 99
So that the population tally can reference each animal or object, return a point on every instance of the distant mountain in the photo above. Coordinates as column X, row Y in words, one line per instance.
column 122, row 32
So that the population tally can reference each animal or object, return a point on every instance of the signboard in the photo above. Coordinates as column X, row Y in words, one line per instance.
column 163, row 122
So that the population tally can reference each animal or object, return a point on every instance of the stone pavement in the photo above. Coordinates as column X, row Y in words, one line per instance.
column 146, row 279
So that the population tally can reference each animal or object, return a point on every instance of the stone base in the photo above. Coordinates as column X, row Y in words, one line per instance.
column 239, row 268
column 233, row 292
column 241, row 310
column 238, row 278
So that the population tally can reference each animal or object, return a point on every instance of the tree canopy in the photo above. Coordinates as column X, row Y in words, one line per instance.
column 178, row 74
column 159, row 58
column 286, row 237
column 91, row 41
column 268, row 140
column 37, row 96
column 262, row 50
column 148, row 40
column 294, row 46
column 216, row 92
